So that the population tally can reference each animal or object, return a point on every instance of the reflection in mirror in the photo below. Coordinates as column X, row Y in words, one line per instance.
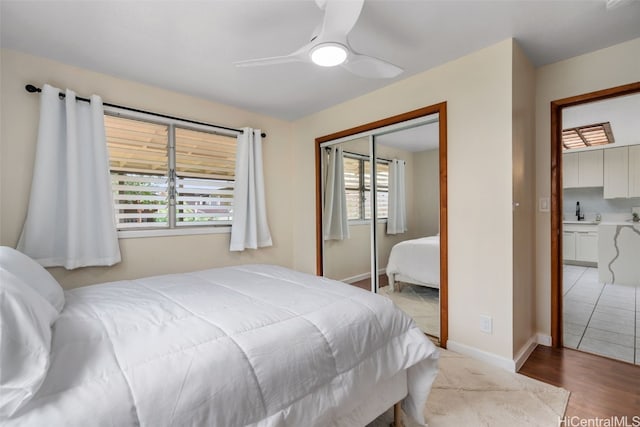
column 408, row 239
column 347, row 212
column 398, row 254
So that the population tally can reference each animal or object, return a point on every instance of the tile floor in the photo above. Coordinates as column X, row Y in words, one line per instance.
column 600, row 318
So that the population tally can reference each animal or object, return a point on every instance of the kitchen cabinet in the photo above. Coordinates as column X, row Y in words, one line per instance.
column 587, row 246
column 580, row 244
column 622, row 172
column 583, row 169
column 616, row 172
column 570, row 170
column 634, row 171
column 568, row 245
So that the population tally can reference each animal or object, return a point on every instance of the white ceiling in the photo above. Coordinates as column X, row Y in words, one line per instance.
column 414, row 139
column 623, row 113
column 189, row 46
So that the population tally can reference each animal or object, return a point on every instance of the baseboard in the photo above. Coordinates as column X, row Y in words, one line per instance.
column 543, row 339
column 362, row 276
column 525, row 352
column 356, row 278
column 490, row 358
column 499, row 361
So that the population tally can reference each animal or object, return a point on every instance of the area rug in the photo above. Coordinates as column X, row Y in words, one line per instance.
column 419, row 302
column 471, row 393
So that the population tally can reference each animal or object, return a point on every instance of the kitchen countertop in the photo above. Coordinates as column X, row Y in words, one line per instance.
column 623, row 222
column 628, row 222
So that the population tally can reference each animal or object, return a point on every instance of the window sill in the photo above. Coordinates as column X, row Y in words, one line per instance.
column 180, row 231
column 366, row 221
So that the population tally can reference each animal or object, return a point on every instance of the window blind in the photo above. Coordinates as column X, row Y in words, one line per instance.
column 357, row 177
column 167, row 176
column 205, row 173
column 139, row 164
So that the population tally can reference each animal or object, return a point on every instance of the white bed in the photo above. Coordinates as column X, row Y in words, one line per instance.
column 415, row 261
column 252, row 345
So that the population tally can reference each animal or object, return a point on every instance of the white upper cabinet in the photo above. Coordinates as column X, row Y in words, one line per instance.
column 590, row 171
column 634, row 171
column 616, row 173
column 570, row 174
column 582, row 169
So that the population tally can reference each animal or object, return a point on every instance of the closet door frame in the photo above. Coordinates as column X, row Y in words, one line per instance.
column 441, row 110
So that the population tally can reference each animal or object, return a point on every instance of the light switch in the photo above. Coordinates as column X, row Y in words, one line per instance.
column 543, row 204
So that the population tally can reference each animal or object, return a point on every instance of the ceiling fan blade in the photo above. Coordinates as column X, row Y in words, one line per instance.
column 299, row 55
column 339, row 18
column 368, row 66
column 268, row 61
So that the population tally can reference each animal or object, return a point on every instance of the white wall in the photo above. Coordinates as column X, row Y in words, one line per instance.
column 345, row 259
column 426, row 176
column 349, row 258
column 142, row 256
column 592, row 202
column 602, row 69
column 523, row 195
column 477, row 89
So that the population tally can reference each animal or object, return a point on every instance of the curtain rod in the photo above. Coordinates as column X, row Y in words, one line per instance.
column 32, row 89
column 364, row 156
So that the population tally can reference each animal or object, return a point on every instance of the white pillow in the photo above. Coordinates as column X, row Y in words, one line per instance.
column 33, row 274
column 25, row 342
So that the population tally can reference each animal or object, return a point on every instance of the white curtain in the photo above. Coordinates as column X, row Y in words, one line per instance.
column 249, row 228
column 397, row 217
column 70, row 221
column 335, row 226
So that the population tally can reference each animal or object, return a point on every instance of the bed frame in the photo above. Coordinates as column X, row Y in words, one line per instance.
column 400, row 278
column 397, row 416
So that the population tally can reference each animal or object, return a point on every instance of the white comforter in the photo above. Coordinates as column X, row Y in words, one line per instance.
column 238, row 346
column 417, row 259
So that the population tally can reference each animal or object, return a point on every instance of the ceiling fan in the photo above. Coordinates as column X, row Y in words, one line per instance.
column 330, row 47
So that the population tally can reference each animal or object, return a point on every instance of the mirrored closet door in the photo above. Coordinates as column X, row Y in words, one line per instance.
column 346, row 209
column 380, row 211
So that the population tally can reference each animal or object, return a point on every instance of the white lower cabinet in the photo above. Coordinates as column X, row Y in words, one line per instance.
column 580, row 243
column 587, row 246
column 569, row 246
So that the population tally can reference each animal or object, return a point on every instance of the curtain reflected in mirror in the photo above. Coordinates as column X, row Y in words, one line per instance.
column 347, row 211
column 398, row 254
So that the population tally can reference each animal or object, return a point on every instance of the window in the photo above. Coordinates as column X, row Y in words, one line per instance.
column 357, row 181
column 587, row 136
column 166, row 175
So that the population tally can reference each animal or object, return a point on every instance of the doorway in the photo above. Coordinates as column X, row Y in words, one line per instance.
column 577, row 252
column 361, row 147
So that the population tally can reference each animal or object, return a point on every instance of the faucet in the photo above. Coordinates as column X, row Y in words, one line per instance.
column 579, row 213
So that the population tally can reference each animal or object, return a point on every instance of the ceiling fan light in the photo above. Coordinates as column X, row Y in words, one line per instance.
column 328, row 54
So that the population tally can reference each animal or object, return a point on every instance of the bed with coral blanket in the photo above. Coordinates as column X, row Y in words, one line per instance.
column 255, row 345
column 415, row 261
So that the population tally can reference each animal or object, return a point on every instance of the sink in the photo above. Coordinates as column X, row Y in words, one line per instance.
column 579, row 222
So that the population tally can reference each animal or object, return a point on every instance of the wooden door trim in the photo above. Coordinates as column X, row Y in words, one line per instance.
column 441, row 109
column 556, row 194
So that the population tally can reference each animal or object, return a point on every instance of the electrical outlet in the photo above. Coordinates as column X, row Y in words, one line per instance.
column 486, row 324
